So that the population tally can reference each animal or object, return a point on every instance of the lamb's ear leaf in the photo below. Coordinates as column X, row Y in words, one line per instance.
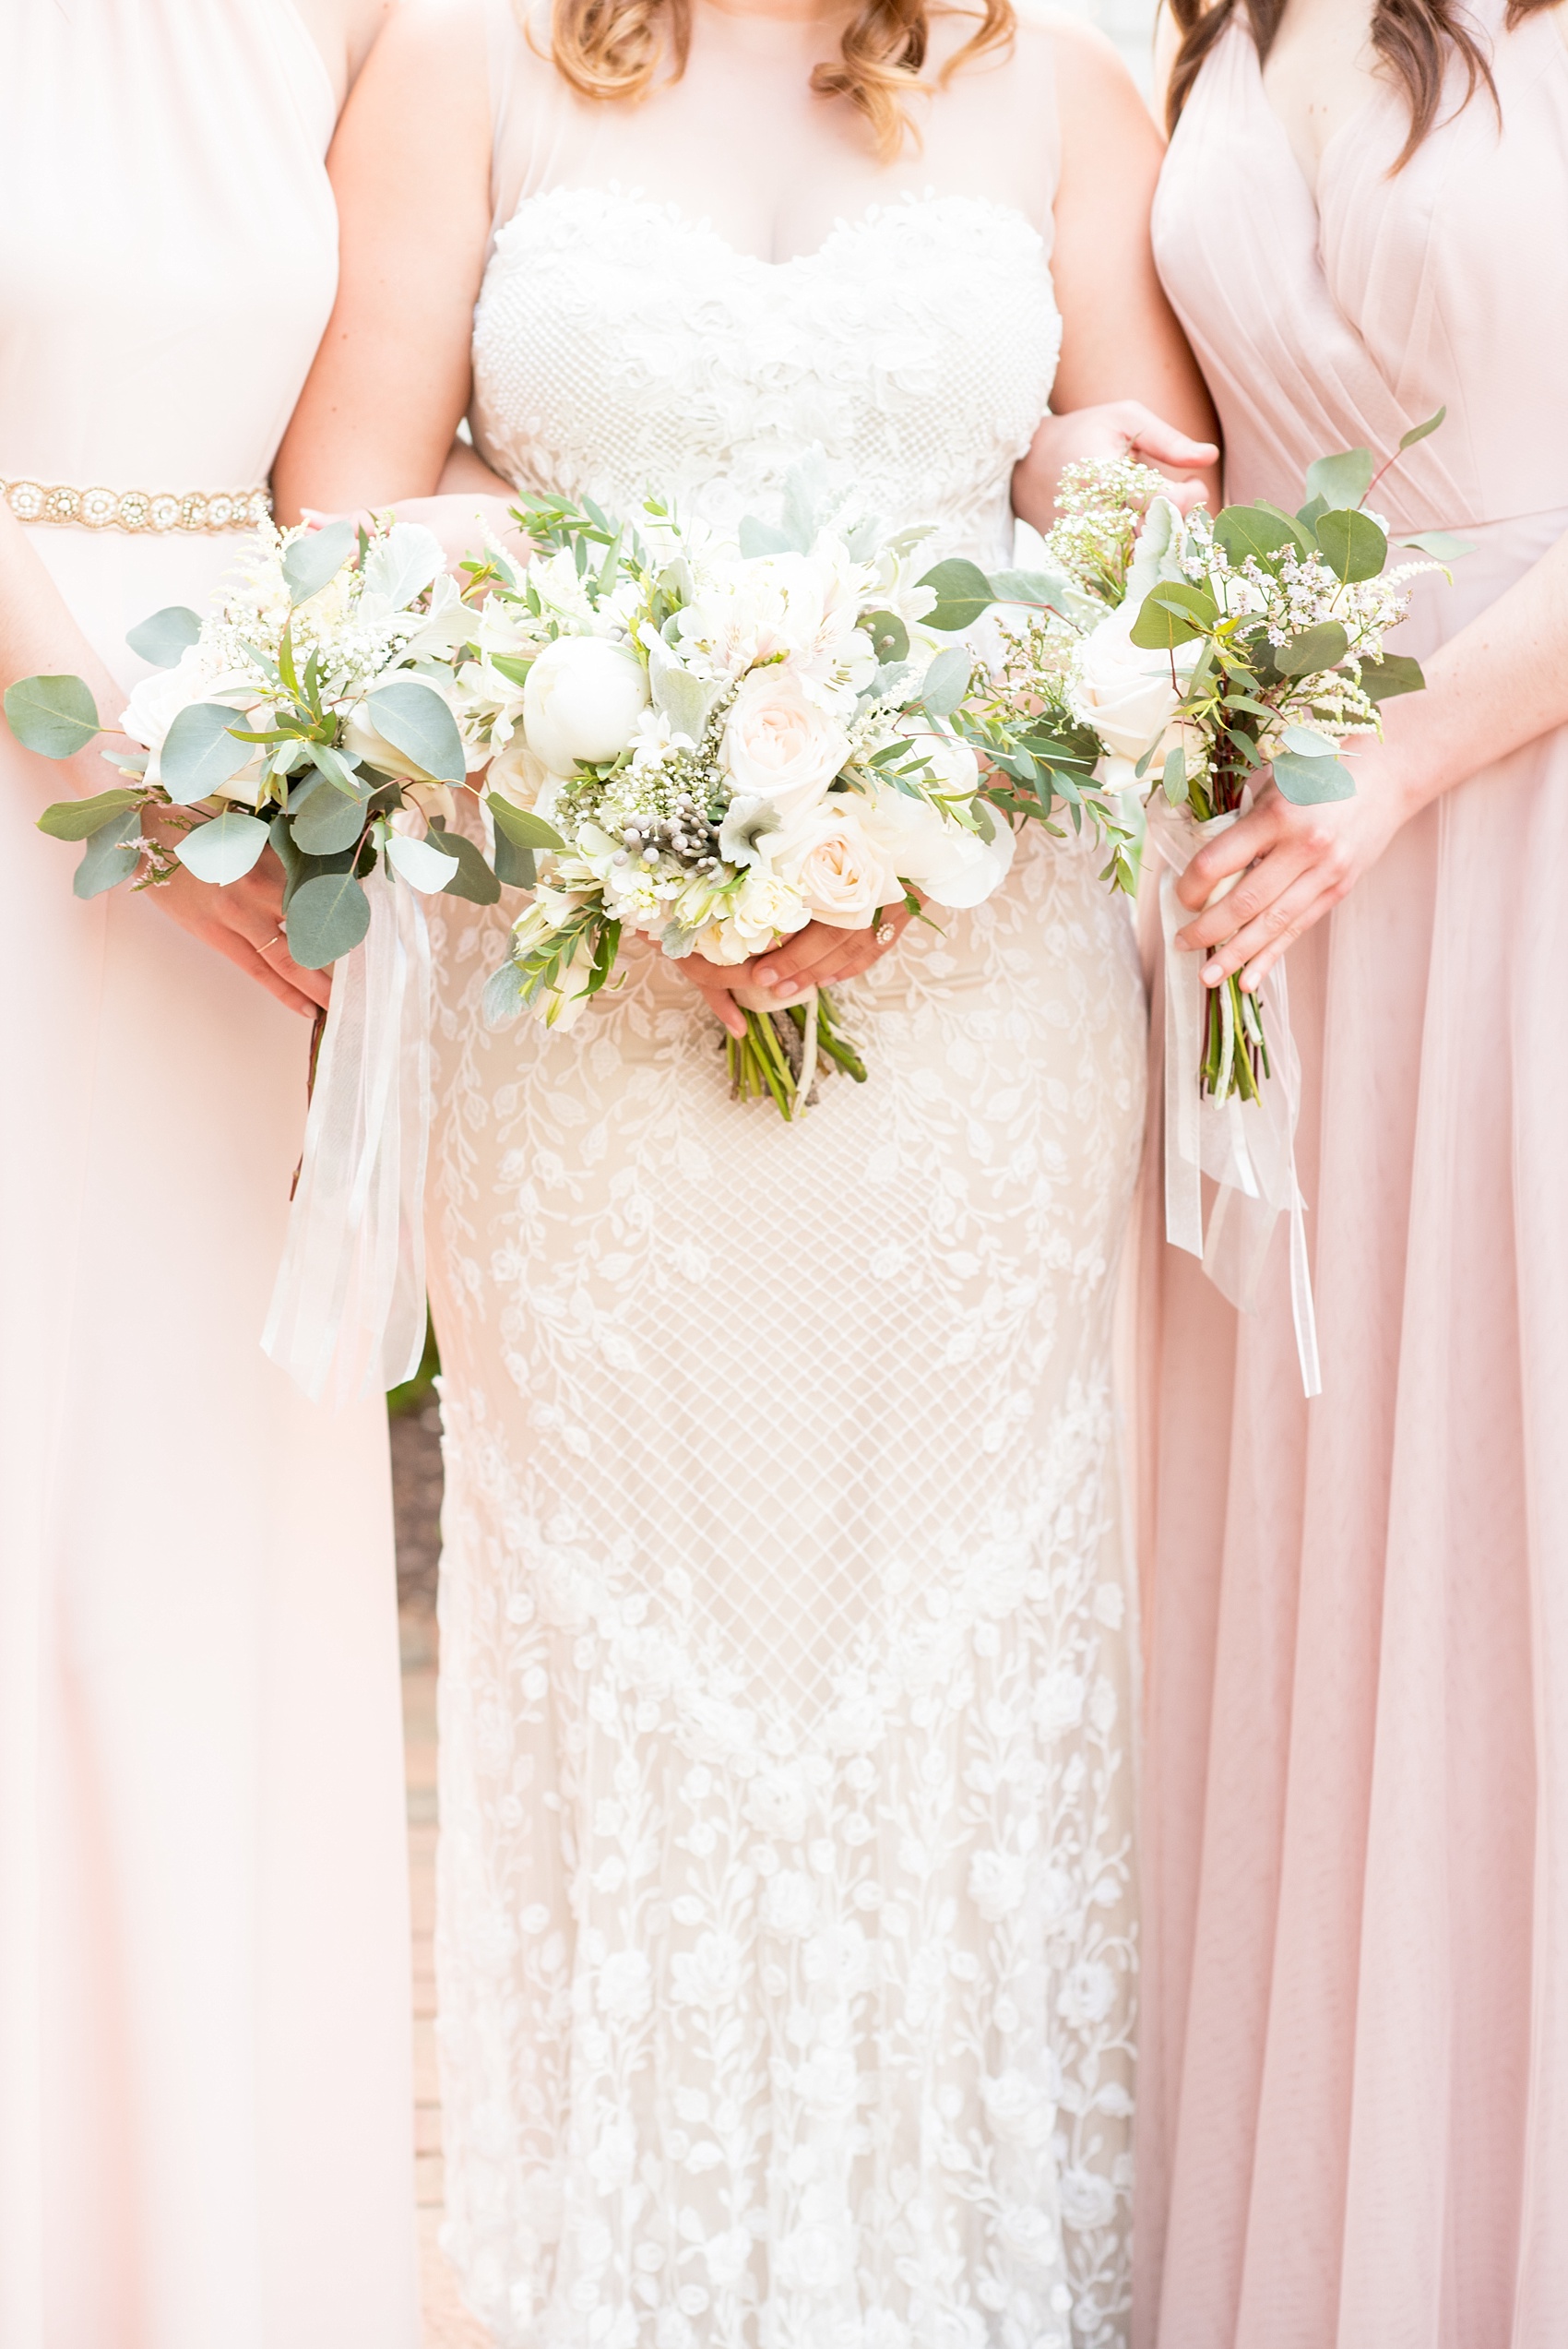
column 309, row 562
column 327, row 917
column 963, row 593
column 53, row 715
column 758, row 538
column 505, row 996
column 163, row 636
column 77, row 819
column 107, row 860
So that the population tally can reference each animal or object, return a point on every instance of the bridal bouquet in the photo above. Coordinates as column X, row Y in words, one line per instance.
column 309, row 708
column 713, row 744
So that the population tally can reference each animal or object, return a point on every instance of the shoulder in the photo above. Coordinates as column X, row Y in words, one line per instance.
column 1098, row 104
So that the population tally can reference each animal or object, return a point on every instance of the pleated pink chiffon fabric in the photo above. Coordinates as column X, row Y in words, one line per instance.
column 1354, row 2117
column 204, row 2075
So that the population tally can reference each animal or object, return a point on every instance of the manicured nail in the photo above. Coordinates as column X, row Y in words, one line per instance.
column 1213, row 974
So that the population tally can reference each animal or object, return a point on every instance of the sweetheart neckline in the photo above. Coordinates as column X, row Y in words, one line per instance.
column 841, row 231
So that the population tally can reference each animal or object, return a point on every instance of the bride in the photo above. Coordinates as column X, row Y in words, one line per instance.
column 786, row 1931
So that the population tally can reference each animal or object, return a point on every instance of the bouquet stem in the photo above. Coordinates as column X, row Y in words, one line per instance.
column 775, row 1054
column 1235, row 1050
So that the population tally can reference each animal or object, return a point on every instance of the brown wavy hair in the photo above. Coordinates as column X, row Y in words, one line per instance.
column 615, row 48
column 1415, row 38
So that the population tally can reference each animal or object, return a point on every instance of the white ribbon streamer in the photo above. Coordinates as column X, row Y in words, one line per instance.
column 1247, row 1147
column 348, row 1301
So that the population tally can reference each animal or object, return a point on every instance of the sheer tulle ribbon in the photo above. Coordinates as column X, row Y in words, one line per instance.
column 1247, row 1147
column 348, row 1303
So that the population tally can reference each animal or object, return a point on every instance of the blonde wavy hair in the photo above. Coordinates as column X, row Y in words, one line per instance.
column 615, row 48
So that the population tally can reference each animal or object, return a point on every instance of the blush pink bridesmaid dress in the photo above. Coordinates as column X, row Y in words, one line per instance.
column 1354, row 2118
column 204, row 2092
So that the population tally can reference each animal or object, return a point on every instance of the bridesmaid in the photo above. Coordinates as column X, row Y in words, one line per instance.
column 1354, row 2077
column 206, row 2108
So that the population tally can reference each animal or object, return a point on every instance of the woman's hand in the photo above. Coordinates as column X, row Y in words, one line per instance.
column 1116, row 428
column 243, row 921
column 818, row 955
column 1303, row 861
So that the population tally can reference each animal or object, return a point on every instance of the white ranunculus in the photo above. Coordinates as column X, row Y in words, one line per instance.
column 779, row 747
column 582, row 702
column 1125, row 691
column 842, row 873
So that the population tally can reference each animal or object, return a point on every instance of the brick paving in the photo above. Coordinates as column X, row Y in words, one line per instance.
column 416, row 1484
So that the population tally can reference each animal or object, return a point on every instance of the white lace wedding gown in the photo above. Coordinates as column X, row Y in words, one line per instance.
column 786, row 1938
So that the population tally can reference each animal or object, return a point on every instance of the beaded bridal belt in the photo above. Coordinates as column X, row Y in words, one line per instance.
column 137, row 509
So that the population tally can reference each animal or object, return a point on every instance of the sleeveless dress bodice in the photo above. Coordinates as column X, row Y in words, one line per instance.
column 786, row 1952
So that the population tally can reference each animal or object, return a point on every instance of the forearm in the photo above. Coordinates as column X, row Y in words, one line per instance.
column 1499, row 682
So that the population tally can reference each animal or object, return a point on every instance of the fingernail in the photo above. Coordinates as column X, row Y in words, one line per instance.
column 1213, row 974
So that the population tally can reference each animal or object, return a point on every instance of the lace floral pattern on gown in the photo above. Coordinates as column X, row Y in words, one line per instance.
column 786, row 1938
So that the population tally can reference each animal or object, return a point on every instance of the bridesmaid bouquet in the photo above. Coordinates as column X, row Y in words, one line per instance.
column 310, row 708
column 712, row 744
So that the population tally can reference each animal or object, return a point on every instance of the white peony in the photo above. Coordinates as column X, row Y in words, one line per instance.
column 582, row 701
column 843, row 875
column 779, row 747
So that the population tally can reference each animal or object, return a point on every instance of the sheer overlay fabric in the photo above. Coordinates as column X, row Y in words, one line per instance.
column 786, row 1939
column 1354, row 2095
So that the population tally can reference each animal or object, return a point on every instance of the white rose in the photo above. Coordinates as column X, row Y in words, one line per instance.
column 518, row 775
column 157, row 700
column 779, row 747
column 843, row 875
column 581, row 702
column 938, row 857
column 1124, row 690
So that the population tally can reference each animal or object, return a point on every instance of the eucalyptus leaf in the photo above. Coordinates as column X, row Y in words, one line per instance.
column 224, row 849
column 807, row 495
column 1307, row 742
column 327, row 916
column 1320, row 648
column 1165, row 620
column 505, row 996
column 415, row 719
column 947, row 679
column 1441, row 545
column 53, row 715
column 756, row 538
column 1351, row 543
column 1047, row 587
column 1394, row 674
column 342, row 773
column 963, row 593
column 522, row 827
column 328, row 822
column 422, row 863
column 77, row 819
column 308, row 565
column 515, row 867
column 106, row 860
column 163, row 636
column 1420, row 431
column 199, row 752
column 473, row 878
column 1174, row 778
column 889, row 637
column 1341, row 480
column 296, row 867
column 310, row 780
column 1306, row 782
column 1253, row 529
